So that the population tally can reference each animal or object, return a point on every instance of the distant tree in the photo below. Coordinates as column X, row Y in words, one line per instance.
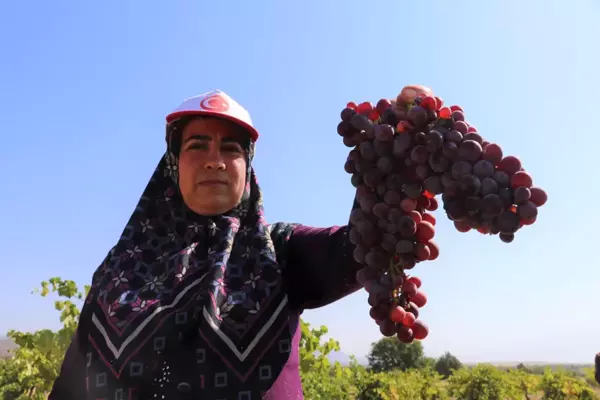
column 429, row 363
column 446, row 364
column 522, row 367
column 389, row 353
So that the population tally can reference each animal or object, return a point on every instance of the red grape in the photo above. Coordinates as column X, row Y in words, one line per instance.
column 433, row 205
column 501, row 178
column 420, row 330
column 416, row 216
column 461, row 126
column 425, row 231
column 445, row 112
column 488, row 186
column 422, row 252
column 429, row 218
column 405, row 335
column 538, row 196
column 420, row 299
column 492, row 153
column 387, row 328
column 409, row 319
column 457, row 114
column 473, row 136
column 434, row 250
column 521, row 178
column 521, row 194
column 385, row 133
column 397, row 314
column 405, row 246
column 383, row 105
column 417, row 115
column 415, row 280
column 483, row 169
column 409, row 288
column 365, row 107
column 404, row 153
column 507, row 237
column 461, row 168
column 407, row 204
column 462, row 226
column 510, row 165
column 428, row 103
column 470, row 150
column 528, row 211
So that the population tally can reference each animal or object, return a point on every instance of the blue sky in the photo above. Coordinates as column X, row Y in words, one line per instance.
column 85, row 86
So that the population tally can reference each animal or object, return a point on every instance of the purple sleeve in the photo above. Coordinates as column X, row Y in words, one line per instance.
column 320, row 266
column 70, row 384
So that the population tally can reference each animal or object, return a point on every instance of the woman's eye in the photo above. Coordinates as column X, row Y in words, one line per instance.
column 196, row 146
column 232, row 149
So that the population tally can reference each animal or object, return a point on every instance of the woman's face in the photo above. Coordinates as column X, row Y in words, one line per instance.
column 212, row 165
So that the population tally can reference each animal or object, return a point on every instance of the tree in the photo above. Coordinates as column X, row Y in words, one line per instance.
column 313, row 353
column 558, row 385
column 389, row 353
column 446, row 364
column 525, row 382
column 36, row 362
column 523, row 367
column 320, row 379
column 591, row 377
column 421, row 384
column 482, row 382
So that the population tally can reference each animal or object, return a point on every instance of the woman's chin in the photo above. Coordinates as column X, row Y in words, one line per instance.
column 211, row 209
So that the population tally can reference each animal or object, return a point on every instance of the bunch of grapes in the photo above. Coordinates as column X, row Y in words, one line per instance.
column 405, row 153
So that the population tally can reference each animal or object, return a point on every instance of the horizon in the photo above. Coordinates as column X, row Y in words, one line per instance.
column 83, row 107
column 344, row 359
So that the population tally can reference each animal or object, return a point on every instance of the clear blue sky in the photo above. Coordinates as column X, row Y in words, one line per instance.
column 85, row 86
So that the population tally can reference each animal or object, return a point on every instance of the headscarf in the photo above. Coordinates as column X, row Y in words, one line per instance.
column 218, row 279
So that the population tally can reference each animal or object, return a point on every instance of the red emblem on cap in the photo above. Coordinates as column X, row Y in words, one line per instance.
column 214, row 103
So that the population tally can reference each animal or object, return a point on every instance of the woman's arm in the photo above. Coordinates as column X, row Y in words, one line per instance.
column 70, row 384
column 320, row 266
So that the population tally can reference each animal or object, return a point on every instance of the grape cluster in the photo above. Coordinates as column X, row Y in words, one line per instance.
column 403, row 154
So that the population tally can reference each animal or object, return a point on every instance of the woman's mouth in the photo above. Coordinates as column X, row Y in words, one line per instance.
column 212, row 182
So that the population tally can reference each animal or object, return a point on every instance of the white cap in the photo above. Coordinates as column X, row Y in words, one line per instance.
column 215, row 103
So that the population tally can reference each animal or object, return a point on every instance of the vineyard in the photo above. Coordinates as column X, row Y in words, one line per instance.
column 396, row 370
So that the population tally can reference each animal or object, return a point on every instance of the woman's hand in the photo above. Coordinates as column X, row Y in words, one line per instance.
column 410, row 92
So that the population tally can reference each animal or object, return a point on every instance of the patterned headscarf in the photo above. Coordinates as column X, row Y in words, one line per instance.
column 218, row 276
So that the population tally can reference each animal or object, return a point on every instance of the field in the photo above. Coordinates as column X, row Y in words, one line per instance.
column 392, row 370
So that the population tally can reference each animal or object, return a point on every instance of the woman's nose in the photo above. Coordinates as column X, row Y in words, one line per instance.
column 214, row 159
column 215, row 164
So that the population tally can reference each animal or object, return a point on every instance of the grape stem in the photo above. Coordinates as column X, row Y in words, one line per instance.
column 394, row 270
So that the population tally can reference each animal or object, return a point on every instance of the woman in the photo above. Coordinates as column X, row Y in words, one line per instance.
column 597, row 367
column 200, row 297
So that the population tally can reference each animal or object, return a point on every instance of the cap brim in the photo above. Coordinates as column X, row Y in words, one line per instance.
column 251, row 130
